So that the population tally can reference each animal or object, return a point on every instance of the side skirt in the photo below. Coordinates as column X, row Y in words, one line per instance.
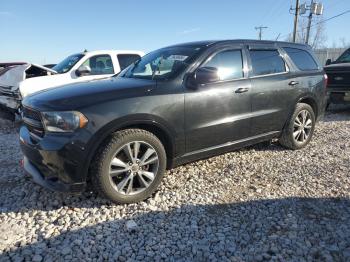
column 223, row 148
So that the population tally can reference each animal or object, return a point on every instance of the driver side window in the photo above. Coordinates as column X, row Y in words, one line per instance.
column 228, row 64
column 100, row 65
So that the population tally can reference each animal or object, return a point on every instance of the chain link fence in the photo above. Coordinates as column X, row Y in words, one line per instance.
column 328, row 53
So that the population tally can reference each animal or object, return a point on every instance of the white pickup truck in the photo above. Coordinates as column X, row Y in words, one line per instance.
column 18, row 81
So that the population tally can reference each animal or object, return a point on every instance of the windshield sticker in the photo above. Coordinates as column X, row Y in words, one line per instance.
column 178, row 57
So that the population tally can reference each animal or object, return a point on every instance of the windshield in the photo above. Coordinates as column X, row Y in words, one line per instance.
column 163, row 63
column 67, row 63
column 345, row 57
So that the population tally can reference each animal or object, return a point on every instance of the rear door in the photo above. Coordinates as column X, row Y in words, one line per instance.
column 273, row 89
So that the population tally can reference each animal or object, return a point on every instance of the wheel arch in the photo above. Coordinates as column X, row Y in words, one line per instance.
column 152, row 125
column 307, row 99
column 311, row 102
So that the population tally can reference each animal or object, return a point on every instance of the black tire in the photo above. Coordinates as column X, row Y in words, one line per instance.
column 100, row 169
column 287, row 138
column 7, row 115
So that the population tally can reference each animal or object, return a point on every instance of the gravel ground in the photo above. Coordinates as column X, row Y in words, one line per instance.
column 255, row 204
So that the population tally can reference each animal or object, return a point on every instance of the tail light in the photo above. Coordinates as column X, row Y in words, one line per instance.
column 326, row 80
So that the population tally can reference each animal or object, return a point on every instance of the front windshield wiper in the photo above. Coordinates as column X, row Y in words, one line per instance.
column 134, row 64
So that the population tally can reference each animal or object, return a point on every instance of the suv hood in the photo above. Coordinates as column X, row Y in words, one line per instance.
column 337, row 67
column 79, row 95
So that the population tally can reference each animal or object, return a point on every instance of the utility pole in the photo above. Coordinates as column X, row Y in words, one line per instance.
column 260, row 28
column 296, row 21
column 315, row 9
column 309, row 24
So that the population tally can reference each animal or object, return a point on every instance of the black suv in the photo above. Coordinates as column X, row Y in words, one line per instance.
column 175, row 105
column 339, row 79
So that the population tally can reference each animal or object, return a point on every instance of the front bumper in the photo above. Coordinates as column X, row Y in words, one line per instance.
column 52, row 184
column 9, row 99
column 338, row 96
column 55, row 161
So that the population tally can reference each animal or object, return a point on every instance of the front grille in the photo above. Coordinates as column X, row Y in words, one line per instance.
column 32, row 119
column 339, row 79
column 31, row 114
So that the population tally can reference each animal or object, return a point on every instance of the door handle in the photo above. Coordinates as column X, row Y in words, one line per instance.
column 242, row 90
column 293, row 83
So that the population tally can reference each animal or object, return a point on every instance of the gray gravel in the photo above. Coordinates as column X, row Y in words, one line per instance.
column 255, row 204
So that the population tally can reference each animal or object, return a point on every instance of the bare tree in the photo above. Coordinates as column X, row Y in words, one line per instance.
column 318, row 35
column 344, row 43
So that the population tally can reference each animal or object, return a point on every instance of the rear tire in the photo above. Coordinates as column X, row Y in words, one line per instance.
column 300, row 128
column 129, row 167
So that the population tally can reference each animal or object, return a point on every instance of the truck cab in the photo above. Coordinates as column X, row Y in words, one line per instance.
column 24, row 79
column 82, row 67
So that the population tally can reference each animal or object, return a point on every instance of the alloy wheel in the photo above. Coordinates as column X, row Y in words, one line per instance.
column 302, row 126
column 133, row 167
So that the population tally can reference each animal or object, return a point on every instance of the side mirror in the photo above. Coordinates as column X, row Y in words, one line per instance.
column 328, row 62
column 206, row 75
column 83, row 71
column 202, row 76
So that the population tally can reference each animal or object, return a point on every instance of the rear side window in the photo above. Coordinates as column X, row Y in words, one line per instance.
column 228, row 64
column 125, row 60
column 266, row 62
column 301, row 58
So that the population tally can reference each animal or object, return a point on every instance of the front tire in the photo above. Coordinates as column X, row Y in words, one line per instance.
column 129, row 167
column 300, row 128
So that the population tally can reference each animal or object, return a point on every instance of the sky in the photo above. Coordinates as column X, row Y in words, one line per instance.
column 48, row 31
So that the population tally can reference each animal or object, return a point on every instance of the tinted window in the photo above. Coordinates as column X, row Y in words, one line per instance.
column 301, row 58
column 125, row 60
column 345, row 57
column 265, row 62
column 228, row 64
column 100, row 65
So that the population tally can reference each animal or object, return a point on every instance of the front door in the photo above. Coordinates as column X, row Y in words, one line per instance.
column 219, row 112
column 101, row 67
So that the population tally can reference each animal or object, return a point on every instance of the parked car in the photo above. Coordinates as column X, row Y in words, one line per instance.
column 25, row 79
column 175, row 105
column 9, row 65
column 11, row 74
column 339, row 79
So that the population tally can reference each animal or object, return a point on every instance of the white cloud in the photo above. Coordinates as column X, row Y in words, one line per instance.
column 189, row 31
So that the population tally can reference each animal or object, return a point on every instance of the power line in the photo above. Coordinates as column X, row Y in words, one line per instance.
column 272, row 12
column 323, row 21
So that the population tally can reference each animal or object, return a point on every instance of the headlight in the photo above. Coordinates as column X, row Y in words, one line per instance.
column 67, row 121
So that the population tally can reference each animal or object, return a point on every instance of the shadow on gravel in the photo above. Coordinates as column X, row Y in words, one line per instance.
column 285, row 229
column 337, row 113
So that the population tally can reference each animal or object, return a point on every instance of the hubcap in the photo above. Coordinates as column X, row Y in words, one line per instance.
column 302, row 126
column 133, row 167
